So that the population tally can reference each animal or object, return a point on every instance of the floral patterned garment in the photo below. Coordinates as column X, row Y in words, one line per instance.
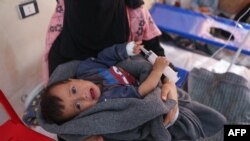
column 142, row 27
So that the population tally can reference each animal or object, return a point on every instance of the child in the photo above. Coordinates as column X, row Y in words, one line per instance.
column 98, row 79
column 116, row 118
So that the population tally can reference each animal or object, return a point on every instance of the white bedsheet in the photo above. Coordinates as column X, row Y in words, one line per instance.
column 188, row 60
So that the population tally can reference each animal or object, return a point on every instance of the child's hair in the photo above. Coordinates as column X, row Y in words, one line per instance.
column 51, row 106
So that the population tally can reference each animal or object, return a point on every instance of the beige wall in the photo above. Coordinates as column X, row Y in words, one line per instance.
column 21, row 46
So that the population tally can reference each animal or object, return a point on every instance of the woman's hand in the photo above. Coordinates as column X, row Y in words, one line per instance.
column 169, row 91
column 94, row 138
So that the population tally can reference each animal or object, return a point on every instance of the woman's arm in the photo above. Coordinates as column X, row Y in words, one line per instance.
column 169, row 91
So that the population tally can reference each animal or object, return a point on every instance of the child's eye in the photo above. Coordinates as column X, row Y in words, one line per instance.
column 73, row 90
column 78, row 106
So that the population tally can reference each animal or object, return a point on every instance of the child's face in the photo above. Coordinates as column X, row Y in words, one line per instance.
column 77, row 96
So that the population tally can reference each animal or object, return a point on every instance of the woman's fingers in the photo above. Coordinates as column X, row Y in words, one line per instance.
column 170, row 116
column 164, row 92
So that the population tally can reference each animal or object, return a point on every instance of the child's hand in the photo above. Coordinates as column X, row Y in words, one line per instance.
column 134, row 48
column 160, row 64
column 137, row 47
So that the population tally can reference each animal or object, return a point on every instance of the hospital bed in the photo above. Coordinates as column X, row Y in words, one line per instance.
column 197, row 26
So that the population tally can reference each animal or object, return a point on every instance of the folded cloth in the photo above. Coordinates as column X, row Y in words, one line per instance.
column 228, row 93
column 140, row 119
